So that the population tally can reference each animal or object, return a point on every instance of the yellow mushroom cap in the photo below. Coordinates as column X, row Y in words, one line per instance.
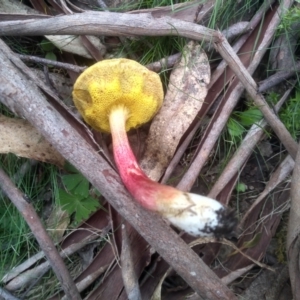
column 117, row 82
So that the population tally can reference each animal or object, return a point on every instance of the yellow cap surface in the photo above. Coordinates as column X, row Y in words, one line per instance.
column 117, row 82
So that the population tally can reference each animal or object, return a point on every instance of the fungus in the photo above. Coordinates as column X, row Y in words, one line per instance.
column 120, row 94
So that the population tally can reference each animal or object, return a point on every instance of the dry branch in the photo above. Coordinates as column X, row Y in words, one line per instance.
column 108, row 23
column 129, row 275
column 22, row 96
column 277, row 78
column 57, row 64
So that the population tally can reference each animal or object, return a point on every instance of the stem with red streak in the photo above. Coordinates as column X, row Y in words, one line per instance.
column 147, row 192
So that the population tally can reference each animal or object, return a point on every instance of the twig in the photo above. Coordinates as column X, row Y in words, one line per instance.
column 217, row 73
column 88, row 280
column 129, row 276
column 22, row 267
column 277, row 78
column 109, row 23
column 281, row 173
column 56, row 64
column 37, row 228
column 165, row 63
column 233, row 275
column 223, row 241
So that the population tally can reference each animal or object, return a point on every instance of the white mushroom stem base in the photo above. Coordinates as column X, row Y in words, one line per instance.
column 195, row 214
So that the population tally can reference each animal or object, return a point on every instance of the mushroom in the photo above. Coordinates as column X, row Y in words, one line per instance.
column 120, row 94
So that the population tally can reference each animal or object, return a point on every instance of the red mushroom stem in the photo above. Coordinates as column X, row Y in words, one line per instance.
column 147, row 192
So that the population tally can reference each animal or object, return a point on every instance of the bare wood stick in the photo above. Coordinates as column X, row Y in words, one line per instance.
column 22, row 96
column 277, row 78
column 164, row 63
column 108, row 23
column 57, row 64
column 41, row 235
column 129, row 275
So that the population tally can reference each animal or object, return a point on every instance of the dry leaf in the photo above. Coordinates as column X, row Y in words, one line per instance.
column 73, row 44
column 21, row 138
column 68, row 43
column 185, row 95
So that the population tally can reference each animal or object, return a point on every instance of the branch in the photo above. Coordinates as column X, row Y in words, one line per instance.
column 56, row 64
column 109, row 23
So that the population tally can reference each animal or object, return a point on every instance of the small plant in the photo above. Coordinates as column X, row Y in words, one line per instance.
column 288, row 19
column 290, row 115
column 240, row 121
column 241, row 187
column 48, row 48
column 76, row 198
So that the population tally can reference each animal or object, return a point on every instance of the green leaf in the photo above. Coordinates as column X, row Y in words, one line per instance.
column 51, row 56
column 82, row 207
column 47, row 46
column 290, row 115
column 77, row 200
column 235, row 128
column 250, row 116
column 241, row 187
column 76, row 184
column 70, row 168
